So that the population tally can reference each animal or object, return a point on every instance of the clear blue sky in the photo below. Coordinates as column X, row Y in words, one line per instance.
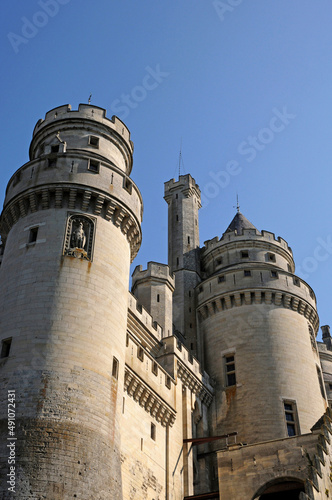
column 246, row 85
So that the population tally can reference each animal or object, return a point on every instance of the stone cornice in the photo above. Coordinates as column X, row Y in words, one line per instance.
column 74, row 197
column 148, row 399
column 259, row 296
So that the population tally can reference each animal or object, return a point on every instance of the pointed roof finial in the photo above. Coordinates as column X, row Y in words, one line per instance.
column 237, row 204
column 180, row 158
column 89, row 100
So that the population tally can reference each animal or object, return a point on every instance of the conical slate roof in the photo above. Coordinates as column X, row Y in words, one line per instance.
column 239, row 223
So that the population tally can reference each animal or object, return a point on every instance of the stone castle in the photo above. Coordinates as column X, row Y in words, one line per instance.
column 203, row 382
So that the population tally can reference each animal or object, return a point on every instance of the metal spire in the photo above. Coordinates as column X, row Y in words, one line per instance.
column 89, row 100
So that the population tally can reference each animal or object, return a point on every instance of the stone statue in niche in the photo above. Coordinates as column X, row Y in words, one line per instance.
column 78, row 237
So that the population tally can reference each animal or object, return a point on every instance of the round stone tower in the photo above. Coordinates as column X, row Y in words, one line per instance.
column 258, row 322
column 70, row 228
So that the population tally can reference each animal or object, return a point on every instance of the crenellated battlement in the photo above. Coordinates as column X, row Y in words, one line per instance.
column 252, row 246
column 144, row 317
column 157, row 271
column 186, row 185
column 86, row 112
column 248, row 234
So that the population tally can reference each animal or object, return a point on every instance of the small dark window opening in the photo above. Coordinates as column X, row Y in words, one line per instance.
column 177, row 218
column 153, row 431
column 177, row 261
column 272, row 257
column 55, row 148
column 33, row 235
column 176, row 196
column 200, row 289
column 189, row 293
column 188, row 240
column 51, row 162
column 128, row 185
column 168, row 382
column 221, row 279
column 247, row 272
column 94, row 141
column 158, row 297
column 115, row 369
column 155, row 368
column 274, row 274
column 190, row 325
column 140, row 353
column 230, row 370
column 296, row 281
column 219, row 262
column 5, row 347
column 245, row 254
column 94, row 166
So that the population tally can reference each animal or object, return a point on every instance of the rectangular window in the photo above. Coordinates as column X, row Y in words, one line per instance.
column 5, row 347
column 230, row 370
column 158, row 297
column 168, row 382
column 245, row 254
column 51, row 162
column 221, row 279
column 296, row 281
column 153, row 431
column 154, row 368
column 94, row 141
column 246, row 272
column 55, row 148
column 274, row 274
column 127, row 185
column 140, row 353
column 94, row 166
column 271, row 257
column 188, row 240
column 115, row 368
column 291, row 418
column 33, row 234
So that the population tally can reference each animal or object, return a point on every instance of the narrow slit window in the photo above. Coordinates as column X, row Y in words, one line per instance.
column 153, row 431
column 168, row 382
column 188, row 240
column 115, row 369
column 230, row 370
column 5, row 347
column 158, row 297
